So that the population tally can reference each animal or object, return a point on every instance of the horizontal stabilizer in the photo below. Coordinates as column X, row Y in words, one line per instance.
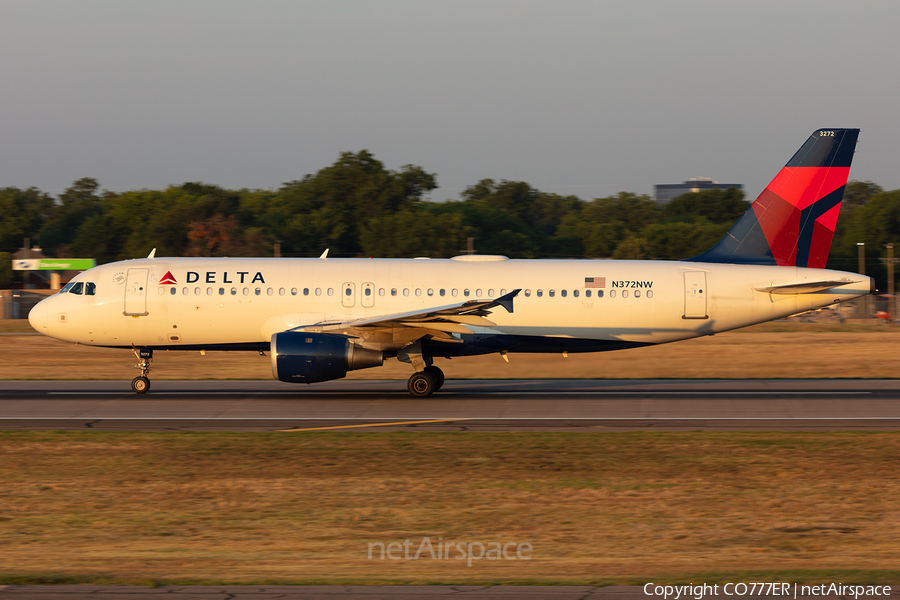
column 804, row 288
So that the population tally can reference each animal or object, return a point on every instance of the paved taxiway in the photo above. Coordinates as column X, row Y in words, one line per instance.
column 486, row 405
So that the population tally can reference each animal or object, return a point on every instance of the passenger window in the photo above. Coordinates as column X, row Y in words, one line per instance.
column 502, row 292
column 418, row 291
column 89, row 288
column 453, row 292
column 281, row 291
column 575, row 293
column 196, row 291
column 599, row 293
column 430, row 292
column 587, row 294
column 381, row 291
column 172, row 291
column 234, row 291
column 184, row 291
column 348, row 292
column 649, row 293
column 305, row 291
column 269, row 291
column 294, row 292
column 490, row 293
column 221, row 291
column 77, row 289
column 245, row 291
column 612, row 293
column 393, row 291
column 466, row 293
column 551, row 293
column 161, row 291
column 441, row 292
column 406, row 291
column 209, row 291
column 540, row 293
column 478, row 293
column 527, row 293
column 331, row 291
column 637, row 293
column 368, row 292
column 562, row 293
column 257, row 291
column 624, row 293
column 318, row 291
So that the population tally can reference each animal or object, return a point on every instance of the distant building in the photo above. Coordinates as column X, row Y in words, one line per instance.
column 667, row 191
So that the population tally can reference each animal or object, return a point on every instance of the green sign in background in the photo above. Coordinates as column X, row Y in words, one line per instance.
column 54, row 264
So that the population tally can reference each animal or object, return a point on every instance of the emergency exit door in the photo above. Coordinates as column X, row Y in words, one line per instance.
column 348, row 295
column 136, row 292
column 695, row 294
column 367, row 291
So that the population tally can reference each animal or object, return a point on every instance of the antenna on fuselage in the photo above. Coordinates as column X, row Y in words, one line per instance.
column 324, row 254
column 152, row 254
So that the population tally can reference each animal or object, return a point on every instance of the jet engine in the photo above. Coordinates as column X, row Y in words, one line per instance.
column 299, row 357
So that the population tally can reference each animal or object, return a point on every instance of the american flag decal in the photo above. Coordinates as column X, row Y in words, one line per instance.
column 595, row 282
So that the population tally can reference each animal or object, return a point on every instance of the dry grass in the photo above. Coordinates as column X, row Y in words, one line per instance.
column 303, row 507
column 775, row 350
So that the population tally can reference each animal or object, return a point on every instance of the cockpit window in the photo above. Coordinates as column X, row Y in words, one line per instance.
column 90, row 288
column 77, row 288
column 66, row 288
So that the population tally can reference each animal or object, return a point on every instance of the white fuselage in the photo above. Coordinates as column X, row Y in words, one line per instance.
column 214, row 302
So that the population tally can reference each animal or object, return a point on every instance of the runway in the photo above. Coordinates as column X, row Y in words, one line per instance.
column 462, row 405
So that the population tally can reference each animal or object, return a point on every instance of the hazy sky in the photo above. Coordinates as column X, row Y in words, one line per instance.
column 580, row 97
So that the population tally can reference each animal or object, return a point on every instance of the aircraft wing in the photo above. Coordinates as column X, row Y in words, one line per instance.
column 436, row 321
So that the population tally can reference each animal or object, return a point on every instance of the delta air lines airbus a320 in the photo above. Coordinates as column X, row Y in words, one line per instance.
column 323, row 317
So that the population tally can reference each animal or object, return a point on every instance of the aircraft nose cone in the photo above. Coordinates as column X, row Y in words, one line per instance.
column 37, row 316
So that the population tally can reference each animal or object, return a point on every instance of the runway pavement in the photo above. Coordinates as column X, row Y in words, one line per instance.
column 462, row 405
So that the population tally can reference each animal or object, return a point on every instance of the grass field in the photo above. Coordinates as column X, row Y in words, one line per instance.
column 773, row 350
column 303, row 507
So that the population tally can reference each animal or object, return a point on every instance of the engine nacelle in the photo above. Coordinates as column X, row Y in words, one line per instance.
column 299, row 357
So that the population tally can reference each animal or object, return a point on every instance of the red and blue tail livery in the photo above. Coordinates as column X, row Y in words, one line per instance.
column 792, row 222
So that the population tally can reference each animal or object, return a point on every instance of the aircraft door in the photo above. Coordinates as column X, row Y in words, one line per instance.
column 368, row 295
column 136, row 292
column 348, row 295
column 695, row 294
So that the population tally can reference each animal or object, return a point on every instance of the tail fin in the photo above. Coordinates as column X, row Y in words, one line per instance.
column 793, row 220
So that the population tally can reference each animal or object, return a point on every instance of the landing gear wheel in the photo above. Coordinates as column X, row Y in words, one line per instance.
column 437, row 374
column 421, row 384
column 140, row 385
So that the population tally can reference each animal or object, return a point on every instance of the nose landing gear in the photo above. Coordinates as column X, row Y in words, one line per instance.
column 141, row 383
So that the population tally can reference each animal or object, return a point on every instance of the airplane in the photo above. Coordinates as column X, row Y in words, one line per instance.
column 322, row 317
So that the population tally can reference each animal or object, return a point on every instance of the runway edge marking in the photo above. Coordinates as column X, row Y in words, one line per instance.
column 373, row 425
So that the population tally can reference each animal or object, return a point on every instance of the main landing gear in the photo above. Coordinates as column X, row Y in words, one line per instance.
column 425, row 382
column 428, row 378
column 141, row 383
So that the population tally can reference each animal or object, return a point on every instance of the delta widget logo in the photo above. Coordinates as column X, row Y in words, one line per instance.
column 168, row 278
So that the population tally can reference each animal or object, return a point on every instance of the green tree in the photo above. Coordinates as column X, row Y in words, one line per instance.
column 716, row 206
column 680, row 240
column 857, row 193
column 329, row 209
column 22, row 214
column 75, row 206
column 6, row 270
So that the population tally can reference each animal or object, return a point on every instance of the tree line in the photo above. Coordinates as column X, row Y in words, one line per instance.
column 357, row 207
